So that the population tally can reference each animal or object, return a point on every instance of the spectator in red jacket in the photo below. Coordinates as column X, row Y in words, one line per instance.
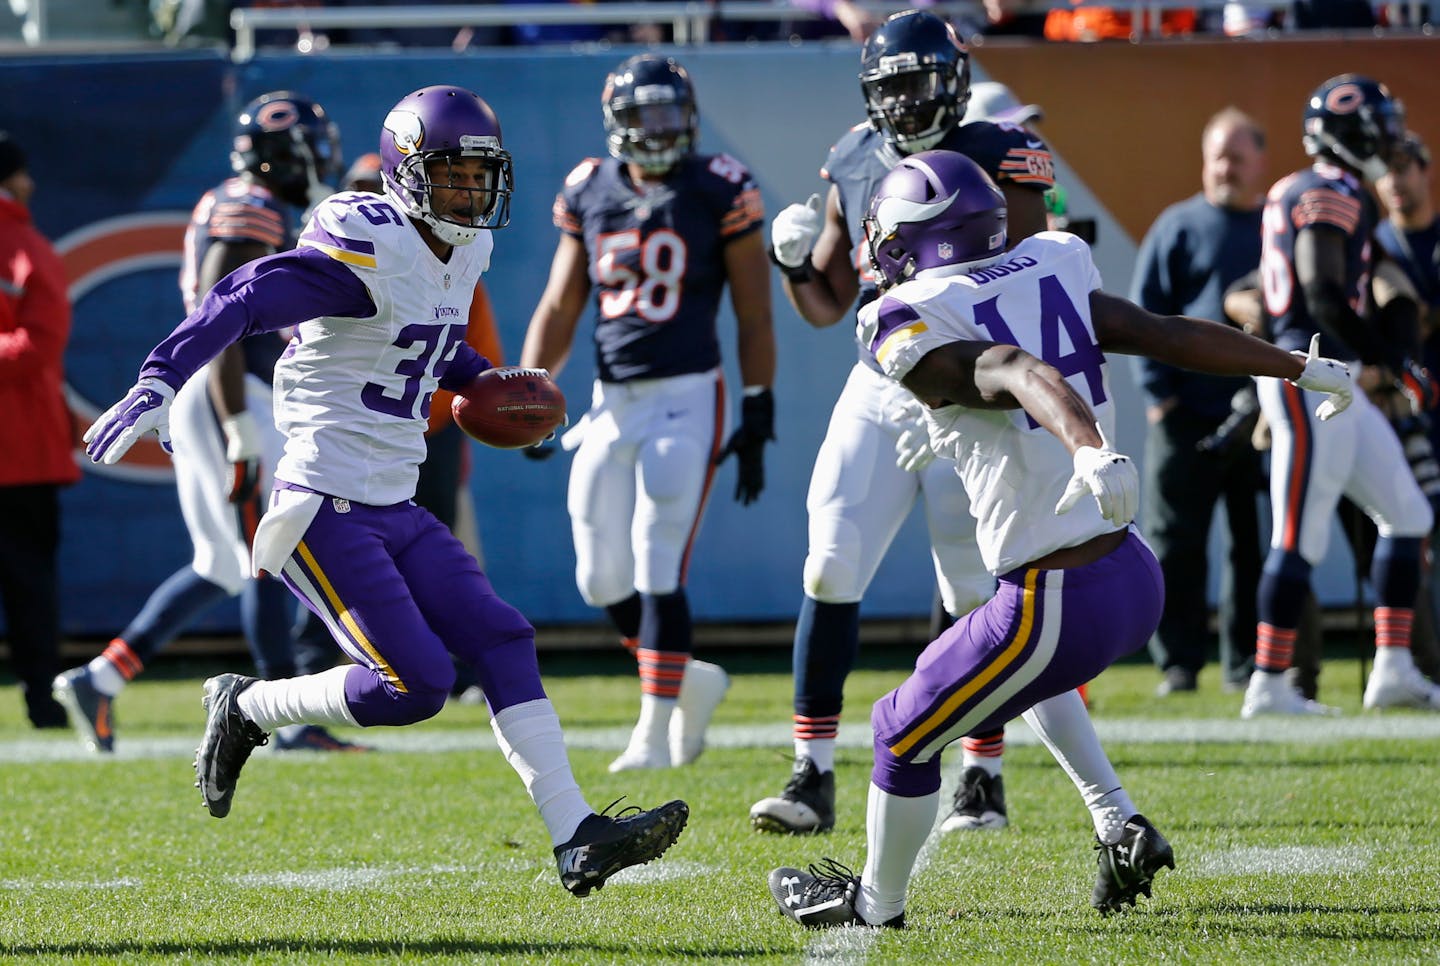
column 36, row 438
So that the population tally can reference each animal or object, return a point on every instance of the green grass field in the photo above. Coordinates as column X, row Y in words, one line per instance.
column 1296, row 842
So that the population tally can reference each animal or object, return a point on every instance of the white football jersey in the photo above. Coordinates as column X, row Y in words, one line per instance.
column 1036, row 297
column 352, row 395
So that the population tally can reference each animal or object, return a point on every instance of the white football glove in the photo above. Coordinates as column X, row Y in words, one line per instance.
column 145, row 408
column 912, row 448
column 242, row 437
column 794, row 230
column 1111, row 477
column 1329, row 376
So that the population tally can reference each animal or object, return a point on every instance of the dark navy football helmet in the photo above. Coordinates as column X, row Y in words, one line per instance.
column 422, row 136
column 1354, row 121
column 933, row 209
column 286, row 141
column 650, row 114
column 915, row 74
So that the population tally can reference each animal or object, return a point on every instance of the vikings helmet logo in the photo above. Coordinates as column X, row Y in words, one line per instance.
column 407, row 129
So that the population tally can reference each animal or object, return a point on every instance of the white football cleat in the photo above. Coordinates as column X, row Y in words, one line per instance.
column 1272, row 694
column 1397, row 683
column 701, row 691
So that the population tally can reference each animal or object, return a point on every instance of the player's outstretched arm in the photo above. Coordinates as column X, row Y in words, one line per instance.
column 1204, row 346
column 552, row 326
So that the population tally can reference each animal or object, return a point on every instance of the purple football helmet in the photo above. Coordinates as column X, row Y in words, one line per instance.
column 422, row 136
column 933, row 209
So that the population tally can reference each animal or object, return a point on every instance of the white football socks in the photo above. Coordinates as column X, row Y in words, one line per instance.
column 105, row 676
column 653, row 728
column 896, row 829
column 532, row 742
column 310, row 699
column 1064, row 725
column 819, row 750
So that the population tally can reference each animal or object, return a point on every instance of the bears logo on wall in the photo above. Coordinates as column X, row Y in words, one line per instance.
column 94, row 255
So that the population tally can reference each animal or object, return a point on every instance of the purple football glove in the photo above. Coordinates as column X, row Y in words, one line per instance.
column 145, row 408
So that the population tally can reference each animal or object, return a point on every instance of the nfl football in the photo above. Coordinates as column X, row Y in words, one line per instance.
column 509, row 407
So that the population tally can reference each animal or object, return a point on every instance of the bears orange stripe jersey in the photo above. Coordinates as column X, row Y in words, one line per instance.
column 657, row 262
column 1322, row 195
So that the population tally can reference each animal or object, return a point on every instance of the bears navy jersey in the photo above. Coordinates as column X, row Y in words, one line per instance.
column 657, row 260
column 238, row 211
column 1320, row 195
column 1008, row 153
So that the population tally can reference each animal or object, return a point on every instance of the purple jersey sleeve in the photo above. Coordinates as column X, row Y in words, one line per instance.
column 265, row 295
column 466, row 365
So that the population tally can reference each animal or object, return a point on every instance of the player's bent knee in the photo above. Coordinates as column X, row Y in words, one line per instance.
column 601, row 588
column 424, row 704
column 831, row 580
column 908, row 779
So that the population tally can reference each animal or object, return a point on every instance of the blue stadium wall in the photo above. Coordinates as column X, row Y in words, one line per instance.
column 121, row 147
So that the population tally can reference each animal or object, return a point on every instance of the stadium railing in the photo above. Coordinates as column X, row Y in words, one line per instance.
column 689, row 21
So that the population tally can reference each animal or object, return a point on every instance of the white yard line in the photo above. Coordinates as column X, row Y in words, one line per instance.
column 1115, row 731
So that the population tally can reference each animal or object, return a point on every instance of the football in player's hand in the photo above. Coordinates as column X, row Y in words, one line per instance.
column 509, row 407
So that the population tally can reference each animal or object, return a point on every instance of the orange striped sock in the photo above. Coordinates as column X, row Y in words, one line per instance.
column 126, row 661
column 1274, row 648
column 807, row 728
column 661, row 672
column 1393, row 626
column 984, row 751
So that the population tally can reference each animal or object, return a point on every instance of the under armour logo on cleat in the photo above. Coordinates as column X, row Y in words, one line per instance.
column 788, row 883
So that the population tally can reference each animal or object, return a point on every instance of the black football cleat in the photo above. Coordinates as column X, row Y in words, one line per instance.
column 822, row 896
column 979, row 803
column 313, row 738
column 605, row 844
column 89, row 709
column 807, row 803
column 1127, row 868
column 226, row 745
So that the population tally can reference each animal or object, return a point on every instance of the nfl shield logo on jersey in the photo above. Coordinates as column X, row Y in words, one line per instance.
column 946, row 250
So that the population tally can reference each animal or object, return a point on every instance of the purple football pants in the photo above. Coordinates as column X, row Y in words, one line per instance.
column 400, row 594
column 1045, row 632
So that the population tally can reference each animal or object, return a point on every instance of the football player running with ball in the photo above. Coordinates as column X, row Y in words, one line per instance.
column 1006, row 351
column 876, row 461
column 380, row 289
column 656, row 231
